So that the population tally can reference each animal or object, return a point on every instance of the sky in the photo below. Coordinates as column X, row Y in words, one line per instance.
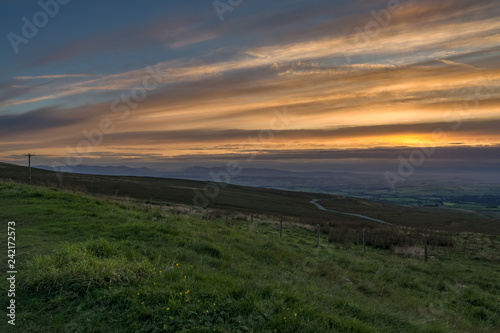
column 286, row 84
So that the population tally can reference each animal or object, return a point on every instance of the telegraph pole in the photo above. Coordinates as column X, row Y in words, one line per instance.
column 29, row 163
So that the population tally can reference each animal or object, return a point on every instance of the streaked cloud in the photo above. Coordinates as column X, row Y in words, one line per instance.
column 62, row 76
column 452, row 63
column 194, row 40
column 433, row 66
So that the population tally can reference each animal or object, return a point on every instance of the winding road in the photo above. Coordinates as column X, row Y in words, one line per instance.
column 315, row 202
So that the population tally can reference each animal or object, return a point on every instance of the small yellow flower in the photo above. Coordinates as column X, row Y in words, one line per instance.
column 295, row 315
column 168, row 309
column 214, row 304
column 142, row 302
column 180, row 294
column 160, row 272
column 176, row 264
column 207, row 311
column 138, row 294
column 284, row 317
column 184, row 276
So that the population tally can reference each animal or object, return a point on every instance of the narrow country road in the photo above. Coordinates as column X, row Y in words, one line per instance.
column 315, row 202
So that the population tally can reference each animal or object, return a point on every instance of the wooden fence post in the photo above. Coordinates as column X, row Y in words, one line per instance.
column 425, row 248
column 364, row 242
column 318, row 234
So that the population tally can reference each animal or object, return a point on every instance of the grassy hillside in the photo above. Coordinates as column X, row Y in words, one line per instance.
column 91, row 265
column 162, row 191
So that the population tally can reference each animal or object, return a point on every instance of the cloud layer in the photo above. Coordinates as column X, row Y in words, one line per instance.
column 351, row 76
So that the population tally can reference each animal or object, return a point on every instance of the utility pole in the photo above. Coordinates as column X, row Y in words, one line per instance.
column 29, row 163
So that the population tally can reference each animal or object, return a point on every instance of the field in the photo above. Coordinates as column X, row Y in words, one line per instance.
column 95, row 265
column 481, row 196
column 474, row 192
column 253, row 200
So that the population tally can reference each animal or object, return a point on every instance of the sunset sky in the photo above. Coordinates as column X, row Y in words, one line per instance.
column 171, row 84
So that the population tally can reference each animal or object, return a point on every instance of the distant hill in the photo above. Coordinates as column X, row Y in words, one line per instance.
column 105, row 170
column 197, row 172
column 163, row 191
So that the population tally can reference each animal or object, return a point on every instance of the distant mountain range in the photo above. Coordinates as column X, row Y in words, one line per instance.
column 419, row 187
column 106, row 170
column 259, row 177
column 193, row 173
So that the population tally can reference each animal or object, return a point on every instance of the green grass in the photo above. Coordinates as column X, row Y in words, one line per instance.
column 91, row 265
